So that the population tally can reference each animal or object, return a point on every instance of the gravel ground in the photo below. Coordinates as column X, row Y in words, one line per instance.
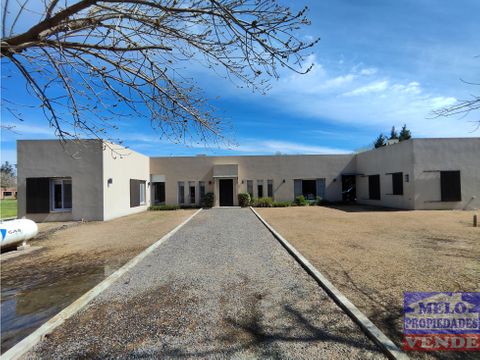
column 221, row 287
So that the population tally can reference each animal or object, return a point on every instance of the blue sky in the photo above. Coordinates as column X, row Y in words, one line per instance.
column 378, row 64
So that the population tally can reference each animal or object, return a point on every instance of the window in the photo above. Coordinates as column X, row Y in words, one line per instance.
column 7, row 193
column 137, row 192
column 181, row 192
column 191, row 188
column 61, row 194
column 260, row 188
column 201, row 190
column 270, row 188
column 450, row 186
column 250, row 188
column 397, row 183
column 159, row 193
column 374, row 187
column 142, row 192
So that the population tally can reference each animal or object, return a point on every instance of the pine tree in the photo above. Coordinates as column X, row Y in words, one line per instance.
column 380, row 141
column 405, row 134
column 393, row 134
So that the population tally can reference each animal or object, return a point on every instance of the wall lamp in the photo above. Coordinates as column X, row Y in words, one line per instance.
column 283, row 181
column 109, row 181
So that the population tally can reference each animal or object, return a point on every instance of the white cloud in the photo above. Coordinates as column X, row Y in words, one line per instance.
column 368, row 71
column 376, row 86
column 255, row 146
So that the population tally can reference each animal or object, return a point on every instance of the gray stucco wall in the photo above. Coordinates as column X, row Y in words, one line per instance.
column 276, row 168
column 446, row 154
column 81, row 160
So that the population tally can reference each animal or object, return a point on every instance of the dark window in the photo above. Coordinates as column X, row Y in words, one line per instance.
column 397, row 183
column 192, row 192
column 450, row 186
column 181, row 192
column 137, row 192
column 260, row 188
column 309, row 189
column 250, row 187
column 159, row 193
column 374, row 187
column 38, row 195
column 201, row 187
column 7, row 193
column 270, row 188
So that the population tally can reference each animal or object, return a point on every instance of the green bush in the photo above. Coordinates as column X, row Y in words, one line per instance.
column 281, row 204
column 208, row 200
column 244, row 199
column 264, row 202
column 300, row 201
column 163, row 207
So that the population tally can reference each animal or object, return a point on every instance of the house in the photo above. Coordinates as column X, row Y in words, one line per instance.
column 98, row 180
column 8, row 193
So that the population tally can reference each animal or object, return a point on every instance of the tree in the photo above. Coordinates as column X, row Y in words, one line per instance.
column 405, row 134
column 7, row 173
column 393, row 134
column 92, row 62
column 380, row 141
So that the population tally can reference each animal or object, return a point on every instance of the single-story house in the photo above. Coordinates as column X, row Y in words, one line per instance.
column 98, row 180
column 8, row 193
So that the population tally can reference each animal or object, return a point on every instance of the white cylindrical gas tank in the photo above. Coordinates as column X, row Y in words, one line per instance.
column 17, row 231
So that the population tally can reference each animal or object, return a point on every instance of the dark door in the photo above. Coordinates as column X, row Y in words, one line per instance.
column 349, row 190
column 159, row 193
column 226, row 192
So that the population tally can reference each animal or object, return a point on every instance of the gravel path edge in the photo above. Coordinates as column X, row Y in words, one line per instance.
column 21, row 348
column 372, row 331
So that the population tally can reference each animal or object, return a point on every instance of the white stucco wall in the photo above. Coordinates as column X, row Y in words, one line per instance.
column 121, row 165
column 443, row 155
column 276, row 168
column 382, row 161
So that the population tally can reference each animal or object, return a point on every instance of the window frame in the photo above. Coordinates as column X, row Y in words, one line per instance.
column 259, row 189
column 250, row 188
column 61, row 182
column 142, row 192
column 191, row 186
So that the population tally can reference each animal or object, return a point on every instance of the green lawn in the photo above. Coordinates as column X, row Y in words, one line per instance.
column 8, row 208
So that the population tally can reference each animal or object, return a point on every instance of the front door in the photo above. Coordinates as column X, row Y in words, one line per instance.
column 226, row 192
column 349, row 191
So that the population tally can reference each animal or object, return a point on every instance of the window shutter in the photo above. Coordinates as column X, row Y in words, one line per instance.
column 450, row 185
column 320, row 184
column 134, row 193
column 38, row 195
column 297, row 188
column 397, row 183
column 374, row 187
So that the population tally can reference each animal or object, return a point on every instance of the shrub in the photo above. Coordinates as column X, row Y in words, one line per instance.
column 300, row 201
column 281, row 204
column 244, row 199
column 163, row 207
column 208, row 200
column 318, row 200
column 264, row 202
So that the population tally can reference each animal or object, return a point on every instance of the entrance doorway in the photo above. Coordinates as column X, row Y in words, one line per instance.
column 226, row 192
column 349, row 190
column 158, row 193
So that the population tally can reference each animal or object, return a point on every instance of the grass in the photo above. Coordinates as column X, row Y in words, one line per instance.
column 8, row 208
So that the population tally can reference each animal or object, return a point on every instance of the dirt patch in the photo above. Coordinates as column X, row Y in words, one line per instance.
column 74, row 257
column 374, row 256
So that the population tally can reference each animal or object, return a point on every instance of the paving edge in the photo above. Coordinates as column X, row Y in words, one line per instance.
column 373, row 332
column 38, row 335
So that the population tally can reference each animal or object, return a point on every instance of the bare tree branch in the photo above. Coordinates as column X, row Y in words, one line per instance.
column 92, row 63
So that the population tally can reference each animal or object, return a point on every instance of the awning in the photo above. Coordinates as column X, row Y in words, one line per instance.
column 225, row 171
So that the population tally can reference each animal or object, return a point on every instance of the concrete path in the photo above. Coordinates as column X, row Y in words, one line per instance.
column 221, row 287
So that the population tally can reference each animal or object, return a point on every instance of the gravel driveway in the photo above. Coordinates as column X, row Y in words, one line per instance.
column 221, row 287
